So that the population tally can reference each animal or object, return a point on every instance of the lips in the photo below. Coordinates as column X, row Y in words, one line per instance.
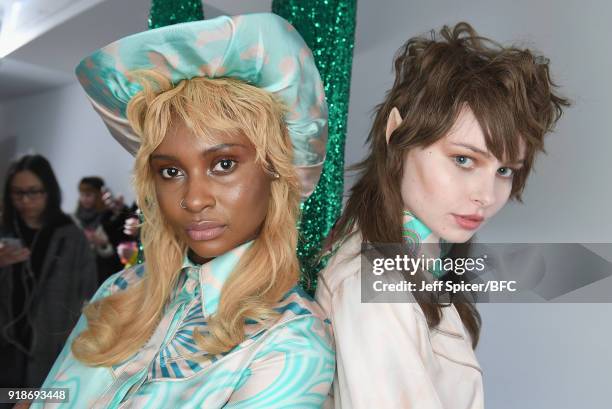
column 205, row 230
column 468, row 222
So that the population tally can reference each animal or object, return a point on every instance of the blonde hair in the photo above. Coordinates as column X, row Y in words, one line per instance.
column 120, row 324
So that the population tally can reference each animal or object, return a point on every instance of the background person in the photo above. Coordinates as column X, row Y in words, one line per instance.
column 102, row 218
column 47, row 271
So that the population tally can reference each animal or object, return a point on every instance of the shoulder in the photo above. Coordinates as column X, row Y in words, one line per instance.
column 339, row 291
column 75, row 219
column 120, row 281
column 344, row 265
column 297, row 304
column 300, row 316
column 68, row 228
column 70, row 239
column 292, row 363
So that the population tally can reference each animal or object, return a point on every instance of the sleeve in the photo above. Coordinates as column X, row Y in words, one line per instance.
column 384, row 354
column 294, row 370
column 86, row 270
column 65, row 356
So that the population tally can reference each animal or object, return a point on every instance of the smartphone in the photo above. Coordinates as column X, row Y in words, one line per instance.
column 12, row 242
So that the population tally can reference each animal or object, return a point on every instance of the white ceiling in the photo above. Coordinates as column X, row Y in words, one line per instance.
column 48, row 60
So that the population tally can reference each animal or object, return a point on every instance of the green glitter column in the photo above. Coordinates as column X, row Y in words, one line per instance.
column 167, row 12
column 328, row 27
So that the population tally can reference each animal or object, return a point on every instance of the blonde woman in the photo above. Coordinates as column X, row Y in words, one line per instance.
column 215, row 317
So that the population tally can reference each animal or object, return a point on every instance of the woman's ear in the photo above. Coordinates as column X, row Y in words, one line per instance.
column 394, row 120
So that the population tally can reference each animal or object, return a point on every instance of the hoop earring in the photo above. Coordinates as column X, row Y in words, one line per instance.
column 182, row 204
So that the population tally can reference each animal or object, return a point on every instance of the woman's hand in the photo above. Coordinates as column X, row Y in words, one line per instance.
column 96, row 237
column 115, row 204
column 99, row 239
column 10, row 254
column 131, row 226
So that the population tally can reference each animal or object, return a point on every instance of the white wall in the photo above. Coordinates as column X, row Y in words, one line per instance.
column 571, row 184
column 61, row 125
column 8, row 143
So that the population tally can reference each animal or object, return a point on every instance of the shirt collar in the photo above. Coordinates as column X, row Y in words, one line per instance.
column 213, row 275
column 422, row 240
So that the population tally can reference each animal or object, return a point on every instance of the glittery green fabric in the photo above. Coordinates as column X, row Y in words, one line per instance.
column 167, row 12
column 328, row 27
column 140, row 256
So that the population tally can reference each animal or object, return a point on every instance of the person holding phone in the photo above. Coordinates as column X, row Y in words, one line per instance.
column 47, row 271
column 12, row 251
column 101, row 216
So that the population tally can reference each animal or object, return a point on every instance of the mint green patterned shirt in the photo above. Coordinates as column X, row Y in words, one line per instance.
column 289, row 363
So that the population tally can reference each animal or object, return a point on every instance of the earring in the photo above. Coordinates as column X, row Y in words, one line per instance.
column 272, row 173
column 182, row 204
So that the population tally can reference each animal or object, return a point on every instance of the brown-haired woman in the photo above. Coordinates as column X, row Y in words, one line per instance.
column 455, row 138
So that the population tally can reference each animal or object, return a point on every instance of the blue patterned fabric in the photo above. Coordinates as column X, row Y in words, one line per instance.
column 289, row 363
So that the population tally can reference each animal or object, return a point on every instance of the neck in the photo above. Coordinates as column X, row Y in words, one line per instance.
column 33, row 222
column 193, row 256
column 423, row 241
column 197, row 259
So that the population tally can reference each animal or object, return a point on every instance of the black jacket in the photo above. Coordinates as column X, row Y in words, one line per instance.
column 67, row 279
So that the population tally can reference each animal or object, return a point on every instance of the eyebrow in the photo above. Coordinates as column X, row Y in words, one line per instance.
column 520, row 162
column 27, row 188
column 472, row 148
column 157, row 156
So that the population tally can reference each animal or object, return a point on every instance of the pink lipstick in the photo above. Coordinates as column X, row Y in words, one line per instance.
column 469, row 222
column 205, row 230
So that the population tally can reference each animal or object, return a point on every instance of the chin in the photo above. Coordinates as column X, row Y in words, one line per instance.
column 211, row 248
column 207, row 250
column 457, row 236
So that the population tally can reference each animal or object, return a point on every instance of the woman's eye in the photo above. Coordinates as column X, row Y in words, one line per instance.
column 224, row 166
column 505, row 172
column 170, row 173
column 463, row 161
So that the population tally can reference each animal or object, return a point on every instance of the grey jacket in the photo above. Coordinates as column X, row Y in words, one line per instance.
column 67, row 279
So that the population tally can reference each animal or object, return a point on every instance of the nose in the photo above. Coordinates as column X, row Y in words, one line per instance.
column 483, row 191
column 24, row 199
column 199, row 196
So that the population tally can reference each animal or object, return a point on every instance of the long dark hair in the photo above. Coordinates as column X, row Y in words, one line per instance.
column 40, row 166
column 510, row 92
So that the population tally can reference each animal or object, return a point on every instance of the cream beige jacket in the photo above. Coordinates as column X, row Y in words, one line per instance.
column 387, row 357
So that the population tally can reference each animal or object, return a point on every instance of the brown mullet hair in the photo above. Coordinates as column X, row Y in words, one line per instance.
column 508, row 89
